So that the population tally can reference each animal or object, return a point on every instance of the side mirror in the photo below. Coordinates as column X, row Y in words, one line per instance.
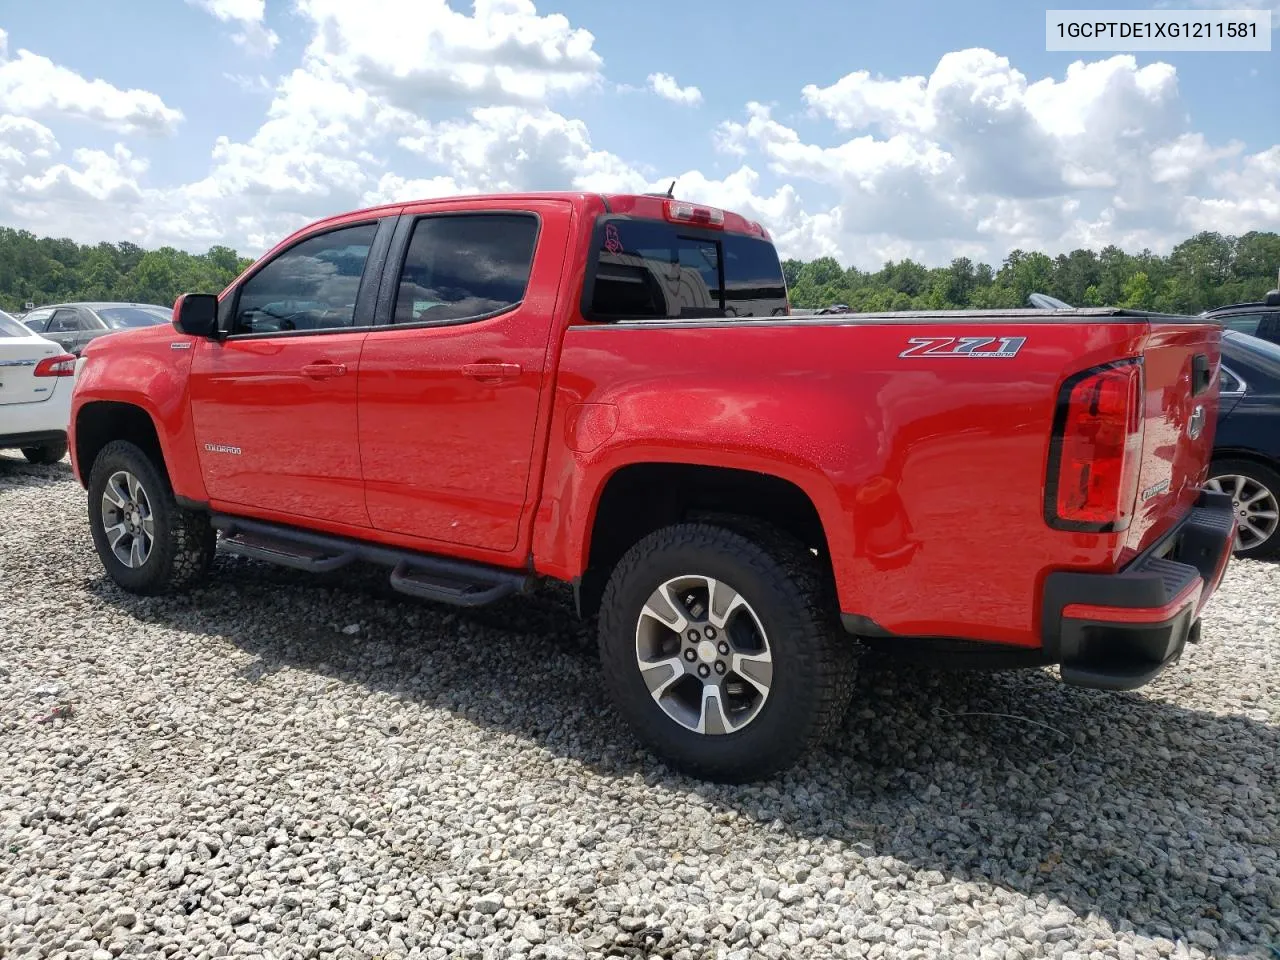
column 196, row 314
column 1273, row 299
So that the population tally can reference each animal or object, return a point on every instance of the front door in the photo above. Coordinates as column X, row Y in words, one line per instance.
column 450, row 389
column 274, row 403
column 69, row 329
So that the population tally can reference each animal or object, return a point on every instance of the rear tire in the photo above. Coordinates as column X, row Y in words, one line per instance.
column 46, row 454
column 1255, row 489
column 780, row 610
column 146, row 542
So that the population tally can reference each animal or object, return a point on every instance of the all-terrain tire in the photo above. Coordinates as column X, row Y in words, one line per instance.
column 812, row 659
column 46, row 454
column 183, row 543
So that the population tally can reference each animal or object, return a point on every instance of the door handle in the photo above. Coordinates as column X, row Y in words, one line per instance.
column 324, row 371
column 491, row 371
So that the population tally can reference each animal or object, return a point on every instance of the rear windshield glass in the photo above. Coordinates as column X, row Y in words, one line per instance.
column 119, row 318
column 650, row 270
column 10, row 327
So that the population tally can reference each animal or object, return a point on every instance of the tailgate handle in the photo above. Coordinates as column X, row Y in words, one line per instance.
column 1201, row 374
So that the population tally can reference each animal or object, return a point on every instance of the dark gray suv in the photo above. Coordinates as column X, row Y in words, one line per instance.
column 1261, row 319
column 72, row 325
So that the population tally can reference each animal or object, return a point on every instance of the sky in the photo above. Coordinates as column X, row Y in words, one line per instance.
column 862, row 131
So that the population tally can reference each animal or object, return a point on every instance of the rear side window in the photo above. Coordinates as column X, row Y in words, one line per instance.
column 121, row 318
column 650, row 270
column 464, row 267
column 311, row 286
column 1245, row 323
column 10, row 327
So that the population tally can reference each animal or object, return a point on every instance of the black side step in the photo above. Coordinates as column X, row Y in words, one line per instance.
column 286, row 553
column 422, row 575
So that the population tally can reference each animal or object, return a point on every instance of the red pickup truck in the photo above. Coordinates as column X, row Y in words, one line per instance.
column 611, row 391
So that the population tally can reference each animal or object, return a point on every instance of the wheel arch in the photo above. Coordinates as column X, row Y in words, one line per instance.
column 636, row 499
column 99, row 422
column 1246, row 454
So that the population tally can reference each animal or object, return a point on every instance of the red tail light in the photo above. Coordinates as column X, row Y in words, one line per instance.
column 63, row 365
column 1096, row 450
column 678, row 211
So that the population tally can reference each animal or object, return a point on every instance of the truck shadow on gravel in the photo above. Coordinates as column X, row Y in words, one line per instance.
column 1157, row 818
column 17, row 474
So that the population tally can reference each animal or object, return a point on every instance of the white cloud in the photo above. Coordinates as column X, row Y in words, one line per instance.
column 978, row 154
column 420, row 52
column 514, row 148
column 104, row 177
column 32, row 85
column 665, row 86
column 254, row 35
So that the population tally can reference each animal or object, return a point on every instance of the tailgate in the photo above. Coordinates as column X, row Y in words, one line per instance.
column 1180, row 374
column 18, row 382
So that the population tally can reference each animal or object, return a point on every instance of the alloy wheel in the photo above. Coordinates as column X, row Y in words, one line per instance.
column 127, row 519
column 704, row 655
column 1256, row 507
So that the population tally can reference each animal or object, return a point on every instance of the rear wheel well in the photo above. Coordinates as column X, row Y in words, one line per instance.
column 639, row 499
column 101, row 422
column 1248, row 455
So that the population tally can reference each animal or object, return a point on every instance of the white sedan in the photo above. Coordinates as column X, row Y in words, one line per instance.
column 36, row 377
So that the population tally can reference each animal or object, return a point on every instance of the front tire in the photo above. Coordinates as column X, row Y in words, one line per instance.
column 1255, row 492
column 46, row 454
column 146, row 542
column 724, row 655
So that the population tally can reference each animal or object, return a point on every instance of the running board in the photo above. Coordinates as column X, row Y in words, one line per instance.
column 428, row 577
column 285, row 553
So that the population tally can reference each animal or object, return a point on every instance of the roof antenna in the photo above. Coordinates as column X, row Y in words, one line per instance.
column 671, row 190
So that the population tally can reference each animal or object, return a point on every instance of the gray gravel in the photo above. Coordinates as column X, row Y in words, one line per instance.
column 278, row 766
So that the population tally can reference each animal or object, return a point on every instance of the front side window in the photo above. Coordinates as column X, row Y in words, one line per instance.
column 650, row 270
column 464, row 267
column 65, row 321
column 311, row 286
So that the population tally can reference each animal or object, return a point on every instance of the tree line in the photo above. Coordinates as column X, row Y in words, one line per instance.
column 1204, row 271
column 43, row 270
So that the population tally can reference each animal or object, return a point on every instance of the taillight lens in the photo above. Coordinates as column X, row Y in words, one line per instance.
column 1097, row 450
column 63, row 365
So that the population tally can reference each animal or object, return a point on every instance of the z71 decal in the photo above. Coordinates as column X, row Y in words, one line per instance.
column 964, row 347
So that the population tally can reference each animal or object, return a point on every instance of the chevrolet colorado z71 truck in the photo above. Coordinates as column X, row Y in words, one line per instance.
column 610, row 391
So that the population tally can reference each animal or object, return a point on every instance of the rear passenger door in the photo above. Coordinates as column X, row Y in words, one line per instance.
column 452, row 378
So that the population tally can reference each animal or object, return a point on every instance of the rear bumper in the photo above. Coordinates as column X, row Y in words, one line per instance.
column 25, row 424
column 13, row 441
column 1119, row 631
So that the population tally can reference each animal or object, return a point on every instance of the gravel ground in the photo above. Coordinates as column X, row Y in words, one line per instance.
column 276, row 767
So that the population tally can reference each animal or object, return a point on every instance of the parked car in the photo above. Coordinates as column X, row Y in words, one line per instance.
column 478, row 392
column 74, row 324
column 1246, row 451
column 36, row 376
column 1260, row 319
